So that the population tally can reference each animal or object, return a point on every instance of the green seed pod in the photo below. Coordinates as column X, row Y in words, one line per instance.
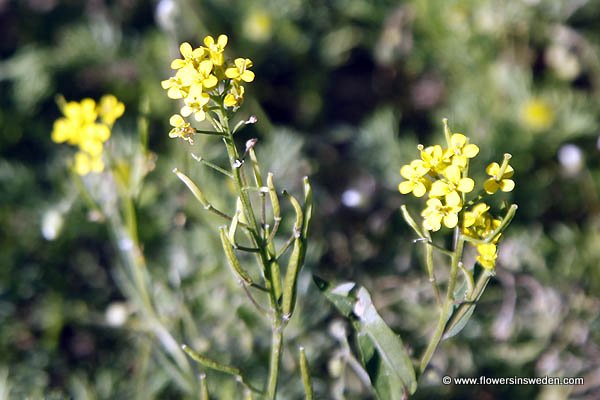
column 234, row 263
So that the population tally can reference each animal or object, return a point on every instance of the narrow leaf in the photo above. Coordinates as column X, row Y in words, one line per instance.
column 382, row 352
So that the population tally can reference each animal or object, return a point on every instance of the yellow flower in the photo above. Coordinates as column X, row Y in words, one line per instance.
column 181, row 128
column 235, row 97
column 487, row 255
column 499, row 177
column 201, row 76
column 216, row 49
column 194, row 103
column 80, row 127
column 257, row 26
column 452, row 184
column 239, row 71
column 537, row 115
column 478, row 223
column 435, row 158
column 85, row 163
column 476, row 216
column 437, row 212
column 190, row 56
column 110, row 109
column 416, row 182
column 175, row 87
column 462, row 150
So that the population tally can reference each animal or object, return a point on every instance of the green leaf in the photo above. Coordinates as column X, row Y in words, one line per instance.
column 382, row 352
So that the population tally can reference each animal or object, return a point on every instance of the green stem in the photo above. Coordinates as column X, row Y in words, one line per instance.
column 275, row 360
column 267, row 263
column 447, row 308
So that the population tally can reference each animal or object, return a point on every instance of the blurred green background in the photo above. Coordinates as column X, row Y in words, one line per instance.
column 344, row 92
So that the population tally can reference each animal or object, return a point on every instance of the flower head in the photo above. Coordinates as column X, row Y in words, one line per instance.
column 110, row 109
column 536, row 114
column 190, row 56
column 416, row 182
column 87, row 126
column 438, row 212
column 204, row 81
column 478, row 223
column 435, row 158
column 461, row 150
column 454, row 182
column 215, row 49
column 240, row 70
column 499, row 177
column 235, row 96
column 487, row 254
column 181, row 128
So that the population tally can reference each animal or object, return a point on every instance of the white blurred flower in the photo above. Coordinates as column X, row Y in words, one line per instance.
column 571, row 158
column 116, row 314
column 165, row 14
column 52, row 223
column 352, row 198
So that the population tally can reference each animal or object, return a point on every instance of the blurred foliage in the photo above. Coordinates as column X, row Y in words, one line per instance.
column 344, row 92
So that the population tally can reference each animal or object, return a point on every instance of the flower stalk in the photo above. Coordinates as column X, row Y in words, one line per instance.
column 212, row 89
column 442, row 174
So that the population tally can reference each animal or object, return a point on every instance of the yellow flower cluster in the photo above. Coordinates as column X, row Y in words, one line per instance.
column 87, row 125
column 442, row 174
column 203, row 80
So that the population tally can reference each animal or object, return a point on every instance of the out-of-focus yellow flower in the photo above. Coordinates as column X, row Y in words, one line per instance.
column 462, row 150
column 216, row 49
column 536, row 114
column 80, row 127
column 438, row 212
column 453, row 183
column 110, row 109
column 416, row 182
column 487, row 255
column 500, row 177
column 86, row 163
column 258, row 26
column 239, row 71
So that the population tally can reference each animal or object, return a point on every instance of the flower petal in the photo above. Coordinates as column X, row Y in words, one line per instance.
column 491, row 186
column 470, row 150
column 405, row 187
column 507, row 185
column 492, row 169
column 419, row 189
column 466, row 185
column 451, row 220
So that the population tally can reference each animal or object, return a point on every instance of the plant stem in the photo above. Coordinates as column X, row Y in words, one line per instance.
column 275, row 360
column 260, row 241
column 447, row 308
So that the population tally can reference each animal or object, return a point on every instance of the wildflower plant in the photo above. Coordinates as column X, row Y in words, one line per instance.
column 212, row 88
column 109, row 181
column 456, row 202
column 452, row 201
